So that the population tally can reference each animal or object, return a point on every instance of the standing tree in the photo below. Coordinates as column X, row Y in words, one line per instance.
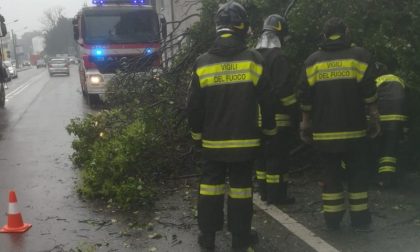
column 58, row 37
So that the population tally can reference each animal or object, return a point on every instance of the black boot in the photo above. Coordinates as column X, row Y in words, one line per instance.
column 386, row 180
column 284, row 199
column 244, row 242
column 207, row 240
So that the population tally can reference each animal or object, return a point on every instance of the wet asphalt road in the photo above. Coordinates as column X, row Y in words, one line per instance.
column 34, row 161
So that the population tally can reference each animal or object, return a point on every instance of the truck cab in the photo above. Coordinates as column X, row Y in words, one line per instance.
column 115, row 35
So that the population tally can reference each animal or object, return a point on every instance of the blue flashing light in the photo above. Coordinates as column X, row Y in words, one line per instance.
column 98, row 52
column 148, row 51
column 133, row 2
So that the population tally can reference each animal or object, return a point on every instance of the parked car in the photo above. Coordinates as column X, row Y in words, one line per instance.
column 40, row 63
column 58, row 66
column 11, row 69
column 7, row 77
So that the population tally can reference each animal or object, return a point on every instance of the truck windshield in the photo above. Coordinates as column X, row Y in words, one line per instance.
column 121, row 26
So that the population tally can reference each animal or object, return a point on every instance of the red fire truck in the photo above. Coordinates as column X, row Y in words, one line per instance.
column 112, row 34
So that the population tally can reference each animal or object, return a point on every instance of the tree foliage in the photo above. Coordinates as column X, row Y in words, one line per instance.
column 58, row 37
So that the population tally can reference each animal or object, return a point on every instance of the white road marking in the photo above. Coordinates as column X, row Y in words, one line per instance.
column 295, row 227
column 22, row 87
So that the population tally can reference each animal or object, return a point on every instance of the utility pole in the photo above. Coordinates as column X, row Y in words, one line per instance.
column 14, row 48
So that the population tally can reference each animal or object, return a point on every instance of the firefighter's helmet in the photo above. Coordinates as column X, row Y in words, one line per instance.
column 276, row 23
column 232, row 17
column 335, row 28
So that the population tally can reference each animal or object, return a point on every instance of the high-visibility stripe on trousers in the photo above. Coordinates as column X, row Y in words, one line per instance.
column 212, row 195
column 333, row 195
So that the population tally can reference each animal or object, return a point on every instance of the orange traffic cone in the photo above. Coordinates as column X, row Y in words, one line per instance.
column 14, row 218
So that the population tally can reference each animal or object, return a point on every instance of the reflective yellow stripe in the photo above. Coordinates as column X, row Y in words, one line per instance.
column 282, row 117
column 358, row 208
column 196, row 136
column 261, row 175
column 247, row 143
column 388, row 160
column 387, row 168
column 282, row 120
column 339, row 135
column 389, row 78
column 332, row 196
column 229, row 73
column 306, row 108
column 334, row 37
column 273, row 179
column 334, row 209
column 268, row 132
column 372, row 98
column 358, row 196
column 336, row 70
column 386, row 118
column 240, row 193
column 289, row 100
column 227, row 35
column 283, row 123
column 212, row 190
column 343, row 165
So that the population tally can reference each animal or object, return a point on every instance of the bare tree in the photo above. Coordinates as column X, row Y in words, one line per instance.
column 52, row 17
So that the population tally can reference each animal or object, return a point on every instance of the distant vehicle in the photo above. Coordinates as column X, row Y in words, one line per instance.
column 11, row 69
column 40, row 63
column 26, row 64
column 58, row 66
column 7, row 77
column 73, row 60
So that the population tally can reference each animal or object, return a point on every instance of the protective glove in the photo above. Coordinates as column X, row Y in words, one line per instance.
column 306, row 132
column 374, row 125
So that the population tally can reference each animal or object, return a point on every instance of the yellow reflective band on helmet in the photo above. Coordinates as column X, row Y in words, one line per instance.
column 372, row 98
column 389, row 78
column 343, row 165
column 387, row 118
column 359, row 208
column 290, row 100
column 240, row 27
column 306, row 108
column 336, row 70
column 334, row 208
column 358, row 196
column 278, row 27
column 269, row 132
column 339, row 135
column 226, row 35
column 334, row 37
column 332, row 196
column 273, row 179
column 212, row 190
column 196, row 136
column 387, row 168
column 388, row 160
column 240, row 193
column 225, row 73
column 261, row 175
column 247, row 143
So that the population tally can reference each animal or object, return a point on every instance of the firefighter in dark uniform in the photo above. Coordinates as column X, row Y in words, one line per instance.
column 272, row 166
column 227, row 87
column 338, row 83
column 391, row 96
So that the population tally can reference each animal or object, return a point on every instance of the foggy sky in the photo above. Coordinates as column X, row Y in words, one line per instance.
column 29, row 12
